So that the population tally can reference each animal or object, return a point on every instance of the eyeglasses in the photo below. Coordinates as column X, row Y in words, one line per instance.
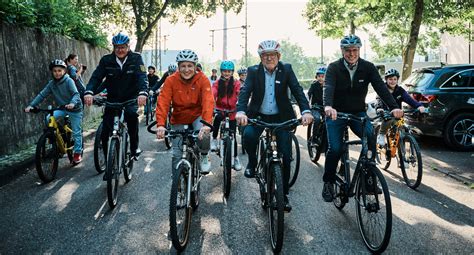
column 272, row 55
column 121, row 47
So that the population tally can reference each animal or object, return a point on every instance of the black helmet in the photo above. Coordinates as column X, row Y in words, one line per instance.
column 392, row 72
column 152, row 67
column 57, row 62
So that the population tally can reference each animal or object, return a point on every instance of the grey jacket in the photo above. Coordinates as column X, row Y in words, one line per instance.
column 64, row 92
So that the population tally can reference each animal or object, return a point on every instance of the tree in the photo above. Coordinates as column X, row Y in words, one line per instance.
column 400, row 22
column 293, row 54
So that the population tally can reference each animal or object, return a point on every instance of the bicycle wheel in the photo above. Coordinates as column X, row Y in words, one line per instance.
column 99, row 153
column 384, row 156
column 343, row 173
column 147, row 112
column 46, row 157
column 127, row 159
column 276, row 206
column 242, row 138
column 113, row 168
column 295, row 160
column 374, row 210
column 180, row 211
column 227, row 166
column 168, row 142
column 410, row 161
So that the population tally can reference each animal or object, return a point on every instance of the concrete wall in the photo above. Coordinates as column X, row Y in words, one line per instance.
column 25, row 54
column 456, row 49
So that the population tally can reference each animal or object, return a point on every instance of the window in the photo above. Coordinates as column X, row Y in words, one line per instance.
column 463, row 79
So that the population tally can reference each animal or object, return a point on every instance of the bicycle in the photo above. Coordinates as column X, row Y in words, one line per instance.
column 369, row 188
column 149, row 109
column 99, row 153
column 55, row 142
column 225, row 149
column 317, row 145
column 168, row 142
column 269, row 177
column 119, row 156
column 399, row 139
column 295, row 158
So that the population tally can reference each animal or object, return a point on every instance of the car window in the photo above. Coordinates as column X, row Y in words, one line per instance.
column 418, row 80
column 460, row 80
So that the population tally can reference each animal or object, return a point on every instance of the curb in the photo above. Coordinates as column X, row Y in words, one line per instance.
column 10, row 173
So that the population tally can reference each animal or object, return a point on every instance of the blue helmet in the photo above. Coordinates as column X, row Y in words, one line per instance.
column 392, row 72
column 321, row 70
column 227, row 65
column 351, row 40
column 172, row 68
column 242, row 70
column 120, row 38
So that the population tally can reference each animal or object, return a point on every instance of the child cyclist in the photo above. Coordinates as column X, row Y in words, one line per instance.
column 315, row 94
column 225, row 91
column 400, row 95
column 64, row 91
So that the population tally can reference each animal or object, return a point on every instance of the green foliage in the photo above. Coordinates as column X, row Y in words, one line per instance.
column 63, row 17
column 303, row 66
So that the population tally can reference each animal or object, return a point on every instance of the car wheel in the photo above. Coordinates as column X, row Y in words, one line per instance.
column 459, row 132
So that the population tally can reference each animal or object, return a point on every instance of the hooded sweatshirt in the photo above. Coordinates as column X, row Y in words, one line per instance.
column 190, row 99
column 64, row 92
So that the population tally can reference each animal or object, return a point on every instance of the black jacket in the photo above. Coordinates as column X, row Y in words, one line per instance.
column 158, row 85
column 121, row 84
column 254, row 89
column 315, row 93
column 346, row 96
column 152, row 80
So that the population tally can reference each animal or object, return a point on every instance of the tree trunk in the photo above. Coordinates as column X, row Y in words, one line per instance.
column 409, row 50
column 352, row 28
column 142, row 37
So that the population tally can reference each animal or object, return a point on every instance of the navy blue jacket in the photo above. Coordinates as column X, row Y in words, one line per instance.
column 345, row 95
column 121, row 84
column 400, row 96
column 255, row 88
column 315, row 93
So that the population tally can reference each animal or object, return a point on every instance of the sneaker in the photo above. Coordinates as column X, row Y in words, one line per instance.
column 77, row 158
column 237, row 165
column 136, row 154
column 205, row 164
column 328, row 192
column 381, row 139
column 249, row 172
column 214, row 145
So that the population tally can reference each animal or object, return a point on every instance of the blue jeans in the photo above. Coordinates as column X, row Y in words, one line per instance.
column 251, row 138
column 335, row 133
column 76, row 126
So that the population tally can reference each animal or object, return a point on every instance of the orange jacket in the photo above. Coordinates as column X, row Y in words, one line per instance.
column 190, row 99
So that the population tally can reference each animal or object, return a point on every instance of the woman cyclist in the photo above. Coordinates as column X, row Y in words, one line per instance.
column 189, row 91
column 225, row 91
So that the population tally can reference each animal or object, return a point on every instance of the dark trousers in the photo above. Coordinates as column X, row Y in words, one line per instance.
column 335, row 133
column 131, row 118
column 218, row 118
column 251, row 138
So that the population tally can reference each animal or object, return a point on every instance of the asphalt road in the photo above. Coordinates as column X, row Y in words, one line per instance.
column 71, row 214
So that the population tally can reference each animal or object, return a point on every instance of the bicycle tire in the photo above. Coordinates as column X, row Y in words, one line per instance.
column 113, row 167
column 99, row 153
column 168, row 141
column 127, row 160
column 227, row 166
column 261, row 169
column 369, row 201
column 179, row 202
column 46, row 158
column 315, row 149
column 148, row 111
column 295, row 160
column 275, row 199
column 413, row 158
column 341, row 197
column 384, row 156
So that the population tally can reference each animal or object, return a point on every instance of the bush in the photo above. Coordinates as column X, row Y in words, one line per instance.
column 62, row 17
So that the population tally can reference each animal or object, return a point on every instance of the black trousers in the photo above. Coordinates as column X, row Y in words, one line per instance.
column 130, row 117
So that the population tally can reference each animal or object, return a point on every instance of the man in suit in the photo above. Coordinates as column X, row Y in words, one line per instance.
column 267, row 86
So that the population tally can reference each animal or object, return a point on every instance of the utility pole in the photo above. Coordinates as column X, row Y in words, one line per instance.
column 155, row 60
column 322, row 54
column 246, row 28
column 224, row 39
column 159, row 47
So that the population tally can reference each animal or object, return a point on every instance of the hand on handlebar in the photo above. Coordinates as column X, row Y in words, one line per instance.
column 28, row 108
column 205, row 130
column 397, row 113
column 141, row 100
column 307, row 119
column 330, row 112
column 241, row 118
column 69, row 106
column 421, row 109
column 160, row 132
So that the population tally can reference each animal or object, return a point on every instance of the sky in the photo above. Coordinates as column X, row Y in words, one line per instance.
column 266, row 20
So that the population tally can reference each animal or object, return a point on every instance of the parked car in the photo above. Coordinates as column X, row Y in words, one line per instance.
column 448, row 93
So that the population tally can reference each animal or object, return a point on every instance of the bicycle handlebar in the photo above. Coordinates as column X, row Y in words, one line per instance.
column 49, row 110
column 120, row 105
column 153, row 124
column 287, row 124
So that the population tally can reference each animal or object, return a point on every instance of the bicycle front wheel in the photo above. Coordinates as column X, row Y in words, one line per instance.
column 46, row 157
column 410, row 161
column 384, row 156
column 295, row 160
column 180, row 210
column 275, row 198
column 99, row 153
column 227, row 166
column 127, row 159
column 113, row 168
column 168, row 141
column 374, row 210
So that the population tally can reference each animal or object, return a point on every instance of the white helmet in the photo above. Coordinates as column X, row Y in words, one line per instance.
column 187, row 55
column 268, row 46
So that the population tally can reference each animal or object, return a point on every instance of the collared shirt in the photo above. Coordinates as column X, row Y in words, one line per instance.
column 120, row 62
column 269, row 105
column 351, row 70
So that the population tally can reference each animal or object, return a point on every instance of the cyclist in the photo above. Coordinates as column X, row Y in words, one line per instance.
column 64, row 91
column 125, row 79
column 75, row 71
column 171, row 70
column 225, row 92
column 315, row 94
column 152, row 81
column 267, row 85
column 242, row 72
column 189, row 91
column 400, row 95
column 345, row 89
column 213, row 76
